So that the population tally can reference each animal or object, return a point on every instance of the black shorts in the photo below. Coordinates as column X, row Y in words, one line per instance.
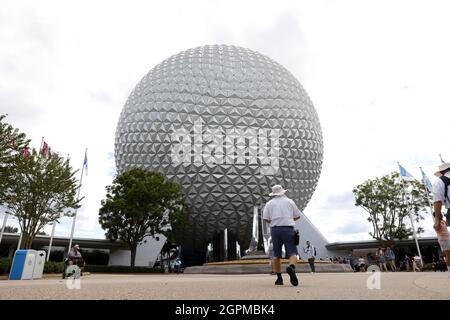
column 283, row 235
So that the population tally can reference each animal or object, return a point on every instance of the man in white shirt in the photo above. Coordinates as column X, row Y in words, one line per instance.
column 311, row 255
column 281, row 212
column 439, row 193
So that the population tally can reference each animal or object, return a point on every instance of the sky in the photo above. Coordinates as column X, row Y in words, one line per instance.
column 377, row 73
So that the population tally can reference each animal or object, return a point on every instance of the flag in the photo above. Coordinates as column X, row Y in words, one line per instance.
column 405, row 175
column 85, row 162
column 442, row 160
column 45, row 148
column 426, row 181
column 26, row 153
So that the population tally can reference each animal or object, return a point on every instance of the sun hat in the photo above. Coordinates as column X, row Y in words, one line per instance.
column 442, row 167
column 277, row 190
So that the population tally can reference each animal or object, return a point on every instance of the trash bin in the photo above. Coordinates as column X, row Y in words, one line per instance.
column 23, row 265
column 39, row 264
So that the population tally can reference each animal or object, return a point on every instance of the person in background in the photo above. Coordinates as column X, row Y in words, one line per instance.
column 407, row 262
column 390, row 258
column 75, row 258
column 416, row 263
column 350, row 261
column 362, row 264
column 310, row 254
column 381, row 260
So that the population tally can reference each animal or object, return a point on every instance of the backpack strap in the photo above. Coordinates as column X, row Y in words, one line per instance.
column 446, row 182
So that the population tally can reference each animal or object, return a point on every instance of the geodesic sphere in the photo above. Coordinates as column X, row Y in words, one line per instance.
column 226, row 123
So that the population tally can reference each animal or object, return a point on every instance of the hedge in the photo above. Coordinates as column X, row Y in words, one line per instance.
column 49, row 267
column 58, row 267
column 53, row 267
column 121, row 269
column 5, row 265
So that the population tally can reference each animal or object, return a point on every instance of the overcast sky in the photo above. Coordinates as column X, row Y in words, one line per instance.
column 377, row 73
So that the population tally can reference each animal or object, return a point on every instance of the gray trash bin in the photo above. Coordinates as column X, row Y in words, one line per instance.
column 39, row 264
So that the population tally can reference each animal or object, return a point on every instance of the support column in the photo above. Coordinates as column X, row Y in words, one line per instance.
column 218, row 247
column 11, row 251
column 232, row 248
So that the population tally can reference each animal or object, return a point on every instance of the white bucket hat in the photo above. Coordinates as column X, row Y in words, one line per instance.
column 277, row 190
column 442, row 167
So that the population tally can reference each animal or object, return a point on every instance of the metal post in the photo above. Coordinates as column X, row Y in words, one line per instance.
column 3, row 227
column 412, row 224
column 225, row 243
column 20, row 241
column 415, row 238
column 76, row 210
column 51, row 241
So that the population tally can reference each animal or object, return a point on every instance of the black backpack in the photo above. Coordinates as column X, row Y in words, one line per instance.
column 446, row 182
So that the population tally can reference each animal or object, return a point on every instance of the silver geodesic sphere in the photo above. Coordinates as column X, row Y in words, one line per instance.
column 256, row 119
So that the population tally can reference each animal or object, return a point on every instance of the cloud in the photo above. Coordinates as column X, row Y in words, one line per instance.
column 352, row 228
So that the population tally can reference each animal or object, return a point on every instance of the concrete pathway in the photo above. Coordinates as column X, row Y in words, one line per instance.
column 423, row 285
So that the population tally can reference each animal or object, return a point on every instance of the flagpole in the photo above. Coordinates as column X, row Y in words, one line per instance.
column 20, row 241
column 412, row 224
column 51, row 241
column 78, row 198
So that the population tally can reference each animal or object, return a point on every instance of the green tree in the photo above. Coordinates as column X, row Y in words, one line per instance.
column 43, row 190
column 389, row 200
column 141, row 203
column 12, row 145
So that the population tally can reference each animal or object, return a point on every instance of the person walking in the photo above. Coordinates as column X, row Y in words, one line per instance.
column 416, row 263
column 441, row 194
column 407, row 262
column 74, row 258
column 311, row 255
column 281, row 213
column 361, row 264
column 444, row 241
column 390, row 258
column 381, row 259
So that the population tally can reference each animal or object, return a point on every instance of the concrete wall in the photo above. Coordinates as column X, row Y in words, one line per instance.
column 146, row 253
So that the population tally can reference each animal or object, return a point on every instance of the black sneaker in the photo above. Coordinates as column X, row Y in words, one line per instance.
column 292, row 275
column 279, row 282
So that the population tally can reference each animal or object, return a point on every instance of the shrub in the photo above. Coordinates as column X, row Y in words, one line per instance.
column 49, row 267
column 5, row 265
column 53, row 267
column 121, row 269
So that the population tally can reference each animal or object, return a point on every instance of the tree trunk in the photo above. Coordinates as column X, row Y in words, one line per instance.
column 27, row 241
column 133, row 255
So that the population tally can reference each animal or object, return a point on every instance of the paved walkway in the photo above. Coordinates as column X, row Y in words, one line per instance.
column 423, row 285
